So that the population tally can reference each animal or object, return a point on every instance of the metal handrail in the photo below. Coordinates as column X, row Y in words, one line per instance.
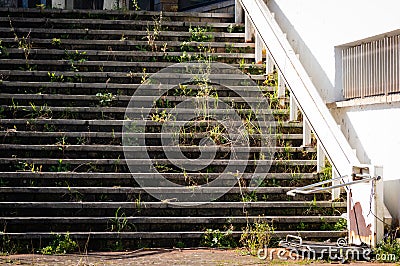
column 317, row 186
column 299, row 83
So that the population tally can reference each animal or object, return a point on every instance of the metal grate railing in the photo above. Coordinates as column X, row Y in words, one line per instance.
column 372, row 68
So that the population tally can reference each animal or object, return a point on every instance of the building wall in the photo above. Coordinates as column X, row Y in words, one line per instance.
column 317, row 30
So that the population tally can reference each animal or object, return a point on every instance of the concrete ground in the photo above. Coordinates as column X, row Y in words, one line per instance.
column 160, row 257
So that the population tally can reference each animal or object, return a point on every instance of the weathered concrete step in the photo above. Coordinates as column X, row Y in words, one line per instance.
column 126, row 180
column 140, row 190
column 127, row 45
column 115, row 88
column 114, row 148
column 155, row 223
column 172, row 205
column 121, row 77
column 120, row 123
column 176, row 114
column 113, row 136
column 157, row 238
column 62, row 23
column 117, row 99
column 113, row 34
column 170, row 220
column 116, row 14
column 140, row 162
column 96, row 194
column 58, row 54
column 105, row 66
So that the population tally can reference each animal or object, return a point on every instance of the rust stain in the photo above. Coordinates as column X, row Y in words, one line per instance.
column 363, row 229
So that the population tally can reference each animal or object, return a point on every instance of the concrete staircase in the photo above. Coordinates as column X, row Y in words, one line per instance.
column 66, row 80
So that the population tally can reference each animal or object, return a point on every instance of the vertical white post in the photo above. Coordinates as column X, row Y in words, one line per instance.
column 293, row 108
column 320, row 158
column 238, row 12
column 281, row 89
column 365, row 204
column 335, row 191
column 258, row 50
column 306, row 133
column 248, row 30
column 269, row 65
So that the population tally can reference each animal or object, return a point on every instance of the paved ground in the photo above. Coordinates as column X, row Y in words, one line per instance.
column 157, row 257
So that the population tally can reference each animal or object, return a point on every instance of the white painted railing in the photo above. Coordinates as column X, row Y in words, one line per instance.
column 372, row 68
column 362, row 201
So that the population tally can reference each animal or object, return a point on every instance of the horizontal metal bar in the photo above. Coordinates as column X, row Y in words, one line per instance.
column 303, row 190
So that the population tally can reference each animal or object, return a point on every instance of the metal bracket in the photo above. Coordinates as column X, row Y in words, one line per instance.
column 317, row 187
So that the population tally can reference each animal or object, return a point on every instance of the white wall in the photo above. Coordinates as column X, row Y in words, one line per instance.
column 315, row 28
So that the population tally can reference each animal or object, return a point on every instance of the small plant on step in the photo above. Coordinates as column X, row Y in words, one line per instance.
column 200, row 34
column 256, row 235
column 120, row 223
column 54, row 77
column 154, row 32
column 215, row 238
column 56, row 42
column 105, row 99
column 24, row 43
column 3, row 50
column 135, row 5
column 62, row 244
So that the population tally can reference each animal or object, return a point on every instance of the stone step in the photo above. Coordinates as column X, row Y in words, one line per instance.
column 127, row 56
column 95, row 179
column 116, row 14
column 105, row 224
column 95, row 194
column 70, row 88
column 117, row 24
column 108, row 66
column 113, row 136
column 140, row 208
column 45, row 110
column 120, row 77
column 136, row 240
column 92, row 128
column 94, row 34
column 137, row 45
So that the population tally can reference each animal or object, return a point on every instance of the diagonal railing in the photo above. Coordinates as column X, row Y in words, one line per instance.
column 304, row 95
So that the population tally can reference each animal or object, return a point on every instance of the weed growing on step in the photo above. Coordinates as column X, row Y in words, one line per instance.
column 105, row 99
column 154, row 32
column 200, row 34
column 119, row 223
column 62, row 244
column 75, row 57
column 235, row 28
column 135, row 5
column 24, row 43
column 54, row 77
column 340, row 225
column 3, row 50
column 215, row 238
column 7, row 246
column 161, row 117
column 56, row 42
column 40, row 112
column 28, row 167
column 256, row 235
column 60, row 167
